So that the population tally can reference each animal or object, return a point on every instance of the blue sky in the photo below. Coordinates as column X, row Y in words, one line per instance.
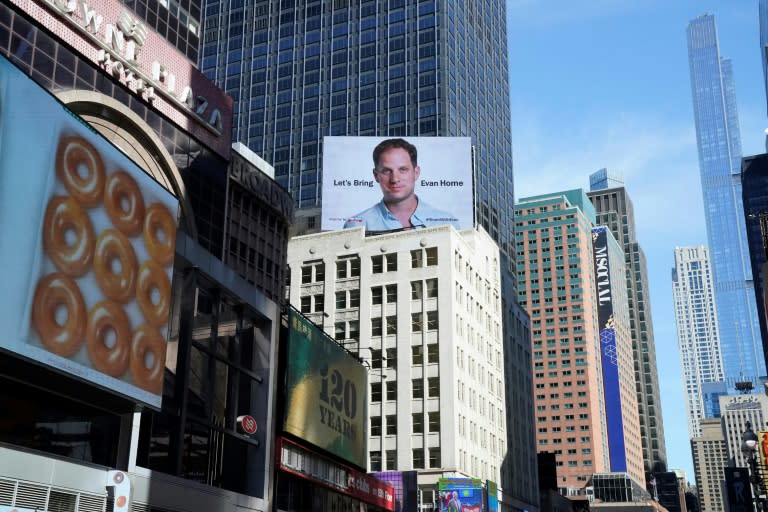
column 605, row 83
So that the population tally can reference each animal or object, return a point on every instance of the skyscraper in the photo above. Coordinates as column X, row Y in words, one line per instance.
column 710, row 457
column 698, row 336
column 614, row 209
column 719, row 143
column 559, row 290
column 763, row 14
column 305, row 69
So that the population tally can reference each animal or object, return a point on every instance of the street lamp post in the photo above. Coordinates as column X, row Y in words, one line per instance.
column 749, row 449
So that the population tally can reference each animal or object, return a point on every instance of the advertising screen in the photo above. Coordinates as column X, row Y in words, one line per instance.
column 413, row 182
column 86, row 244
column 405, row 487
column 460, row 495
column 325, row 389
column 608, row 353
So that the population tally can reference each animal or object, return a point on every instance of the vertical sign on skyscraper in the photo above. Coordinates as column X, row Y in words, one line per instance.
column 608, row 352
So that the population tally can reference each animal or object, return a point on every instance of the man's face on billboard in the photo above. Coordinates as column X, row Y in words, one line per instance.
column 396, row 175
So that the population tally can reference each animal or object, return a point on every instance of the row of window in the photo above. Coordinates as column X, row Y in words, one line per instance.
column 417, row 424
column 417, row 459
column 350, row 299
column 348, row 267
column 417, row 389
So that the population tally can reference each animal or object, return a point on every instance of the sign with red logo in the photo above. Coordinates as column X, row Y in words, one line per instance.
column 247, row 424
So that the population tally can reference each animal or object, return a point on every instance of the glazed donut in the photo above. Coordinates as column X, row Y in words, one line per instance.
column 114, row 263
column 107, row 338
column 148, row 358
column 80, row 169
column 153, row 293
column 160, row 234
column 58, row 314
column 124, row 203
column 68, row 236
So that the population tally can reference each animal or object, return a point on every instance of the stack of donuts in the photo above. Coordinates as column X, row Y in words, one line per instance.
column 67, row 317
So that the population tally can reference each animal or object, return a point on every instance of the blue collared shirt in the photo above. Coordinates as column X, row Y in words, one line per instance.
column 379, row 218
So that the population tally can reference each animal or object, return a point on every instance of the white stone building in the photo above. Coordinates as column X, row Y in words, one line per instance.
column 423, row 309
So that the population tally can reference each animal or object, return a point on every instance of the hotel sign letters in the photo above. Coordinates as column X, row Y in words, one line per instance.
column 120, row 44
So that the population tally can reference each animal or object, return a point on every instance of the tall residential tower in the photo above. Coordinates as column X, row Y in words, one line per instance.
column 719, row 143
column 698, row 336
column 614, row 209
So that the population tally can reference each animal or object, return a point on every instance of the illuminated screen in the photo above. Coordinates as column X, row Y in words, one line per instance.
column 326, row 401
column 460, row 495
column 87, row 244
column 354, row 195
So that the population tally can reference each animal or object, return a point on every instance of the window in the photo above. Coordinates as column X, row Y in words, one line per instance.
column 418, row 458
column 376, row 326
column 347, row 267
column 417, row 258
column 416, row 322
column 375, row 425
column 432, row 322
column 416, row 290
column 377, row 295
column 431, row 256
column 434, row 457
column 433, row 353
column 391, row 390
column 417, row 354
column 383, row 263
column 313, row 303
column 434, row 421
column 391, row 293
column 376, row 358
column 376, row 392
column 391, row 424
column 391, row 358
column 392, row 324
column 431, row 288
column 417, row 421
column 418, row 388
column 433, row 387
column 376, row 461
column 313, row 272
column 391, row 462
column 348, row 299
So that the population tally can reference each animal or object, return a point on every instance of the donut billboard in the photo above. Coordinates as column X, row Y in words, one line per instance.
column 87, row 243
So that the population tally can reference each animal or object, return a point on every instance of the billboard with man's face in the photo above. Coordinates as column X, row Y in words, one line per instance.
column 389, row 183
column 87, row 241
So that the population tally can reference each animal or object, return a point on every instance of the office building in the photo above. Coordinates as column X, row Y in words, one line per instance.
column 754, row 176
column 737, row 410
column 710, row 458
column 179, row 416
column 302, row 70
column 719, row 144
column 614, row 209
column 557, row 288
column 698, row 336
column 422, row 308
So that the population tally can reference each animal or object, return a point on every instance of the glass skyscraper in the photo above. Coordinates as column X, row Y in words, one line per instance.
column 300, row 70
column 719, row 144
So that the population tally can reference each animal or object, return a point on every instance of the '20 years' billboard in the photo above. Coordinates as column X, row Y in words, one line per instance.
column 325, row 393
column 384, row 183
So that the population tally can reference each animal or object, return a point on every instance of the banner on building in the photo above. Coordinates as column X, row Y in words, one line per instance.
column 325, row 391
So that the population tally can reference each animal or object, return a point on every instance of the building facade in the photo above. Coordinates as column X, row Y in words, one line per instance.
column 737, row 410
column 85, row 436
column 614, row 209
column 303, row 70
column 422, row 308
column 719, row 144
column 557, row 287
column 710, row 458
column 698, row 336
column 754, row 176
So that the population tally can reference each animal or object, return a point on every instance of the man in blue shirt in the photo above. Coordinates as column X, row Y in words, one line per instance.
column 396, row 171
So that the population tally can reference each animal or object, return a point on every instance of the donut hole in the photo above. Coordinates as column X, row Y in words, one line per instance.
column 160, row 234
column 83, row 171
column 70, row 236
column 61, row 314
column 155, row 295
column 150, row 359
column 109, row 338
column 126, row 205
column 115, row 265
